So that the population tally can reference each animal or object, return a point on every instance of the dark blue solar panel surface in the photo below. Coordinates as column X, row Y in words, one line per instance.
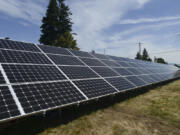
column 135, row 71
column 104, row 71
column 65, row 60
column 54, row 50
column 95, row 88
column 123, row 64
column 123, row 71
column 101, row 56
column 155, row 77
column 8, row 107
column 39, row 78
column 144, row 71
column 7, row 56
column 36, row 97
column 32, row 73
column 78, row 72
column 8, row 44
column 81, row 54
column 92, row 62
column 2, row 81
column 110, row 63
column 146, row 78
column 120, row 83
column 137, row 81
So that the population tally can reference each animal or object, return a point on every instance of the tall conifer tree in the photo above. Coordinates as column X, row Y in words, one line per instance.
column 57, row 26
column 65, row 22
column 145, row 56
column 49, row 27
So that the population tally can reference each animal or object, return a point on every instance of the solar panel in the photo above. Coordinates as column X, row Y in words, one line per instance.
column 54, row 50
column 120, row 83
column 95, row 88
column 92, row 62
column 104, row 71
column 81, row 54
column 110, row 63
column 144, row 71
column 123, row 64
column 118, row 58
column 134, row 64
column 123, row 71
column 78, row 72
column 8, row 44
column 2, row 81
column 155, row 77
column 38, row 97
column 137, row 81
column 135, row 71
column 65, row 60
column 8, row 108
column 37, row 78
column 101, row 56
column 32, row 73
column 7, row 56
column 146, row 78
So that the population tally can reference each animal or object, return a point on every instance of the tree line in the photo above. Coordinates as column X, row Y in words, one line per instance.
column 145, row 57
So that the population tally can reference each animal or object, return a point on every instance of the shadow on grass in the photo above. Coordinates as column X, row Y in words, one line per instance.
column 36, row 124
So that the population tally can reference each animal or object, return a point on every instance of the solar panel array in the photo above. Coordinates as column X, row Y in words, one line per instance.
column 37, row 78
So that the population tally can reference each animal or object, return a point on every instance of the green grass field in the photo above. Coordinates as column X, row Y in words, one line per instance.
column 156, row 112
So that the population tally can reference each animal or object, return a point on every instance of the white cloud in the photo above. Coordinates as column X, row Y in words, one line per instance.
column 149, row 20
column 141, row 28
column 31, row 11
column 91, row 18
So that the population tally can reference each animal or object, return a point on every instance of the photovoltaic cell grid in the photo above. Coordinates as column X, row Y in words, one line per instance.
column 7, row 44
column 95, row 88
column 65, row 60
column 104, row 71
column 8, row 108
column 54, row 50
column 81, row 54
column 78, row 72
column 36, row 97
column 92, row 62
column 38, row 77
column 32, row 73
column 136, row 80
column 8, row 56
column 121, row 83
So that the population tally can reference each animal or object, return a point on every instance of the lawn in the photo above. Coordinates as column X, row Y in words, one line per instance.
column 156, row 112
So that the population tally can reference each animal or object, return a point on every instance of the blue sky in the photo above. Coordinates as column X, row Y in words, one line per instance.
column 116, row 25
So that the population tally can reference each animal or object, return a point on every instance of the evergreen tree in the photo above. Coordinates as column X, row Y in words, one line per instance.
column 145, row 56
column 65, row 22
column 49, row 27
column 66, row 41
column 57, row 26
column 138, row 56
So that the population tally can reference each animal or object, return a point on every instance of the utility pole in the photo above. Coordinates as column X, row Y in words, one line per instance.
column 104, row 51
column 140, row 45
